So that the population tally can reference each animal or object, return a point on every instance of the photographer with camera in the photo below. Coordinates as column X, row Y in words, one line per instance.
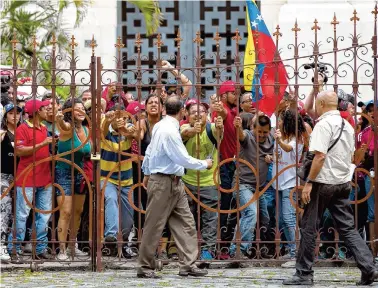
column 346, row 101
column 310, row 99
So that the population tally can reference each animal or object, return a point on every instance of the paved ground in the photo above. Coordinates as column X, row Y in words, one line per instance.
column 219, row 277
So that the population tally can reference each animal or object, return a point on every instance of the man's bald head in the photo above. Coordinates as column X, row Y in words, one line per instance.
column 173, row 105
column 326, row 101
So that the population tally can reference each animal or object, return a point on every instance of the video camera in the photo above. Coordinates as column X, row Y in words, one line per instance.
column 322, row 69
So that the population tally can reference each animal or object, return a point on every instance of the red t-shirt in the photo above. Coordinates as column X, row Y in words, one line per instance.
column 228, row 144
column 346, row 115
column 182, row 122
column 25, row 136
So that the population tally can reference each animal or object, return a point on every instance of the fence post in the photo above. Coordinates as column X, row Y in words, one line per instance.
column 96, row 105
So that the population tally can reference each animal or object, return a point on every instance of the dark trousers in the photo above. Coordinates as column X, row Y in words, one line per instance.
column 336, row 199
column 208, row 219
column 227, row 222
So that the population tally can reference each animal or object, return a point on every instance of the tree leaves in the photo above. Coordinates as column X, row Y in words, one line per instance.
column 151, row 12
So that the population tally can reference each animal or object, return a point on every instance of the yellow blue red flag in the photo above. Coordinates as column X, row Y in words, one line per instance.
column 260, row 47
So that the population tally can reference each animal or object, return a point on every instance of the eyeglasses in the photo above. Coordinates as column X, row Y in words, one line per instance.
column 247, row 101
column 197, row 112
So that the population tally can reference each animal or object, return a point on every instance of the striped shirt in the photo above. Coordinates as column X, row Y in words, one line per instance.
column 111, row 162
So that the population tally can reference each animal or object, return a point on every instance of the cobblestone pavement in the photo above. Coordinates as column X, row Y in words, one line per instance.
column 217, row 278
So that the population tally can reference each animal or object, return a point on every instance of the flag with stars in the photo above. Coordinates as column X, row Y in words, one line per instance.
column 260, row 78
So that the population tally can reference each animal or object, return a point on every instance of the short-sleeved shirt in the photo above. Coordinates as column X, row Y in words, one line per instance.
column 206, row 148
column 287, row 179
column 248, row 152
column 338, row 161
column 228, row 144
column 27, row 135
column 113, row 143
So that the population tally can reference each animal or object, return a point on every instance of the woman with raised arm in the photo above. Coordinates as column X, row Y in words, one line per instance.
column 72, row 135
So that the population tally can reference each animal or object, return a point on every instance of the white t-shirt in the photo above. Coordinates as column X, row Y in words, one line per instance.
column 286, row 179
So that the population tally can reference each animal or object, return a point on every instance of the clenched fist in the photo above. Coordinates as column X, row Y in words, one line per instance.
column 218, row 107
column 59, row 116
column 109, row 116
column 219, row 122
column 237, row 122
column 197, row 127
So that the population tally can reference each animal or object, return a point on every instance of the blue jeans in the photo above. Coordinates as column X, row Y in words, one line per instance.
column 63, row 177
column 288, row 219
column 112, row 210
column 370, row 200
column 43, row 201
column 248, row 218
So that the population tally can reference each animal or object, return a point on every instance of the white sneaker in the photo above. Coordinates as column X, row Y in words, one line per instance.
column 4, row 256
column 28, row 248
column 78, row 252
column 62, row 256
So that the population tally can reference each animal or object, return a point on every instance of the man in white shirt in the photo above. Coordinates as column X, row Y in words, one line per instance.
column 163, row 166
column 328, row 186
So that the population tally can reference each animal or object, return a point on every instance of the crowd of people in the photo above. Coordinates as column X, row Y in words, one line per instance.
column 37, row 129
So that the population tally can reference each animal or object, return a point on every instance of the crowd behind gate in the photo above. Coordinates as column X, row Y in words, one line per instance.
column 209, row 130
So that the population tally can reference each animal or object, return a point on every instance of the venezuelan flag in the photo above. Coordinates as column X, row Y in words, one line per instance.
column 262, row 48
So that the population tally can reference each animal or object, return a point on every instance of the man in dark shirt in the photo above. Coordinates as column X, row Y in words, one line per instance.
column 255, row 143
column 226, row 108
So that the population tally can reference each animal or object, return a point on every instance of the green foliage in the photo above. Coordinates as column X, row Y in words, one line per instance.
column 151, row 12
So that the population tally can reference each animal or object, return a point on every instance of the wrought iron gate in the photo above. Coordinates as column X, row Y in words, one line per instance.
column 358, row 59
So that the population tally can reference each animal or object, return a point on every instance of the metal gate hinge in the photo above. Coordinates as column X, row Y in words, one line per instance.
column 96, row 157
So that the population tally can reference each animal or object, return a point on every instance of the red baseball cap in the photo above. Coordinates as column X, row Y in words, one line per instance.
column 190, row 102
column 133, row 107
column 33, row 106
column 227, row 86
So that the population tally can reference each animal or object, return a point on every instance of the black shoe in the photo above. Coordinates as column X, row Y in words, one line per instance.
column 298, row 280
column 43, row 256
column 194, row 271
column 367, row 279
column 110, row 239
column 16, row 259
column 151, row 275
column 110, row 247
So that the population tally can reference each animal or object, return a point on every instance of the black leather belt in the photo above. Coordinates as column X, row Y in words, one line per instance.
column 174, row 178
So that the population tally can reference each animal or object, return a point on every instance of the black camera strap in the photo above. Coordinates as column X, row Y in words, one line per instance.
column 338, row 138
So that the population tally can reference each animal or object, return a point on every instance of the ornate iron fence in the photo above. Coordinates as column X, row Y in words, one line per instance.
column 358, row 59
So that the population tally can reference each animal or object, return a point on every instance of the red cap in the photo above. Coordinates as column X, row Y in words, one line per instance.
column 133, row 108
column 190, row 102
column 33, row 106
column 227, row 86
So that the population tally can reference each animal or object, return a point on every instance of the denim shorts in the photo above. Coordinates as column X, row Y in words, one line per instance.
column 63, row 178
